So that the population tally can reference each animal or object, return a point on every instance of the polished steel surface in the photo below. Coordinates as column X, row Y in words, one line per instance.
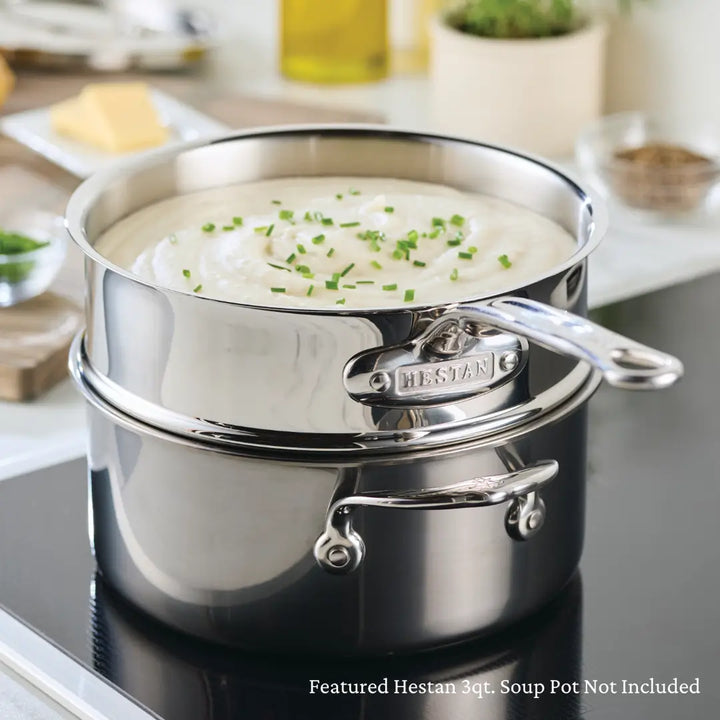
column 220, row 544
column 340, row 549
column 281, row 370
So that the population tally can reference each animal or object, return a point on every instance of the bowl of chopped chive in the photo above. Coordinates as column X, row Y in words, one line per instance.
column 32, row 249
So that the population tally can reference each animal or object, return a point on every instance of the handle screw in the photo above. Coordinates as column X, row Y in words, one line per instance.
column 509, row 361
column 380, row 381
column 535, row 520
column 338, row 556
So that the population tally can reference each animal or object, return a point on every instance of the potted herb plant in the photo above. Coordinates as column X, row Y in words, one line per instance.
column 527, row 73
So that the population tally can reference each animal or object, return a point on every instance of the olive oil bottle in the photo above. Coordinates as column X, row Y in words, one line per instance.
column 334, row 41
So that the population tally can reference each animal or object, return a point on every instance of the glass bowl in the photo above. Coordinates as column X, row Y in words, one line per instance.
column 27, row 273
column 652, row 167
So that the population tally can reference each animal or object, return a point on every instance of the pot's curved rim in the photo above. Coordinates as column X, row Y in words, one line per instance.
column 91, row 189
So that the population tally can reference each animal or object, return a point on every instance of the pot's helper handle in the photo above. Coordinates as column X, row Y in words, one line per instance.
column 340, row 549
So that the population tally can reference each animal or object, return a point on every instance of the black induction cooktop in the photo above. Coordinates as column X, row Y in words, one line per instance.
column 636, row 634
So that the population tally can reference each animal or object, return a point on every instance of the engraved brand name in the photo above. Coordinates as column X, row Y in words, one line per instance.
column 476, row 370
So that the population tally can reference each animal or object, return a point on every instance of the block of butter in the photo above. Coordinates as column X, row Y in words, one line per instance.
column 116, row 117
column 7, row 80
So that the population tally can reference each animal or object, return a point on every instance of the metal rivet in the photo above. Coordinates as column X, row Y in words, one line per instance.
column 380, row 381
column 338, row 556
column 509, row 361
column 535, row 520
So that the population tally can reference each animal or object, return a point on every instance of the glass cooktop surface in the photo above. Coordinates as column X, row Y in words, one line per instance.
column 639, row 623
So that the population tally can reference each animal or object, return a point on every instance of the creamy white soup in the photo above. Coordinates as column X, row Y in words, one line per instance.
column 326, row 242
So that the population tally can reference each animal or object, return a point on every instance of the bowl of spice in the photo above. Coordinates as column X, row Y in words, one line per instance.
column 32, row 249
column 651, row 166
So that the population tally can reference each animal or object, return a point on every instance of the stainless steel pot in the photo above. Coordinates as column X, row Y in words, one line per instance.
column 338, row 554
column 344, row 379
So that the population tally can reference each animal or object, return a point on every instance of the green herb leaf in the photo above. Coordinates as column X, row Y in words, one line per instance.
column 413, row 236
column 318, row 239
column 349, row 224
column 351, row 287
column 276, row 202
column 419, row 263
column 290, row 258
column 301, row 249
column 260, row 229
column 269, row 231
column 409, row 296
column 393, row 286
column 457, row 220
column 331, row 285
column 347, row 269
column 465, row 255
column 341, row 301
column 376, row 264
column 504, row 260
column 303, row 269
column 353, row 191
column 454, row 242
column 279, row 267
column 186, row 273
column 330, row 252
column 389, row 209
column 454, row 274
column 277, row 289
column 472, row 249
column 197, row 288
column 208, row 227
column 339, row 196
column 365, row 282
column 228, row 228
column 327, row 221
column 310, row 290
column 237, row 220
column 286, row 214
column 438, row 222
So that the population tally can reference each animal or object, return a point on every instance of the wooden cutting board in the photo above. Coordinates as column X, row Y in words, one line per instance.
column 35, row 336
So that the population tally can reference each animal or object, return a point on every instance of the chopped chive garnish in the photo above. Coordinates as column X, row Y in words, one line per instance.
column 349, row 224
column 330, row 252
column 186, row 273
column 172, row 239
column 472, row 249
column 277, row 290
column 454, row 242
column 347, row 269
column 434, row 234
column 301, row 249
column 413, row 236
column 341, row 301
column 237, row 220
column 261, row 229
column 438, row 222
column 419, row 263
column 278, row 267
column 409, row 295
column 276, row 202
column 317, row 215
column 269, row 231
column 457, row 220
column 351, row 287
column 389, row 209
column 197, row 288
column 318, row 239
column 374, row 246
column 504, row 260
column 398, row 254
column 228, row 228
column 411, row 244
column 307, row 216
column 390, row 287
column 290, row 258
column 336, row 277
column 208, row 227
column 303, row 269
column 308, row 275
column 353, row 191
column 465, row 255
column 331, row 285
column 327, row 221
column 286, row 214
column 339, row 196
column 365, row 282
column 454, row 274
column 376, row 264
column 309, row 290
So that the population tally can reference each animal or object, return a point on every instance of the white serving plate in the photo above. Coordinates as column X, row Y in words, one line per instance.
column 33, row 129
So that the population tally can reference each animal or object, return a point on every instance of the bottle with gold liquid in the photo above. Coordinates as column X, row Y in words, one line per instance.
column 334, row 41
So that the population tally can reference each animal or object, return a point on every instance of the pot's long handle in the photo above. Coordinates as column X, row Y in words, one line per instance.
column 340, row 549
column 624, row 363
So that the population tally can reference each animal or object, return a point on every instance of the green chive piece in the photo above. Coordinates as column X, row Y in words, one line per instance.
column 419, row 263
column 465, row 255
column 341, row 301
column 434, row 234
column 290, row 258
column 504, row 260
column 208, row 227
column 197, row 288
column 389, row 209
column 351, row 287
column 374, row 246
column 349, row 224
column 310, row 290
column 276, row 202
column 454, row 242
column 376, row 264
column 336, row 277
column 261, row 229
column 269, row 231
column 454, row 274
column 330, row 252
column 472, row 249
column 318, row 239
column 317, row 215
column 303, row 269
column 301, row 249
column 365, row 282
column 186, row 273
column 339, row 196
column 237, row 220
column 390, row 287
column 307, row 216
column 413, row 236
column 308, row 275
column 457, row 220
column 353, row 191
column 409, row 295
column 327, row 221
column 438, row 222
column 278, row 267
column 347, row 269
column 286, row 214
column 398, row 254
column 228, row 228
column 277, row 290
column 331, row 285
column 172, row 239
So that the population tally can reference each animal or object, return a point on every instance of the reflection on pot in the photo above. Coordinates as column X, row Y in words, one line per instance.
column 506, row 677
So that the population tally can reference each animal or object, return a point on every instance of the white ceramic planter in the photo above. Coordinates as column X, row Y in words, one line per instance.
column 533, row 94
